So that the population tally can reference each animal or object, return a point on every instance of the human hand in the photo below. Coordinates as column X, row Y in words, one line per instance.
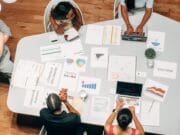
column 132, row 109
column 119, row 104
column 59, row 30
column 63, row 95
column 139, row 30
column 129, row 29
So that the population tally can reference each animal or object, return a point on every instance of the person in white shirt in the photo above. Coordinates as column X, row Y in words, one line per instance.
column 6, row 65
column 128, row 5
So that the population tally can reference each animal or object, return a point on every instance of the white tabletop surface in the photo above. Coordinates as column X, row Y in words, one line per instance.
column 28, row 49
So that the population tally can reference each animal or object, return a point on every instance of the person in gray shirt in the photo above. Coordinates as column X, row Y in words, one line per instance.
column 128, row 5
column 6, row 65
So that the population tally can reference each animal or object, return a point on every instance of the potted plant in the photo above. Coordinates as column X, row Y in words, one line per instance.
column 150, row 54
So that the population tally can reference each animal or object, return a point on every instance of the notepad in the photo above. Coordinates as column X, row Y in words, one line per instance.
column 103, row 35
column 150, row 117
column 122, row 68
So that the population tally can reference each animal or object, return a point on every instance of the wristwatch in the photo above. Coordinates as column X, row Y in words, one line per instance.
column 114, row 110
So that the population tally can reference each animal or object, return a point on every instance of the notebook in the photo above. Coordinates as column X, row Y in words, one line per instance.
column 130, row 93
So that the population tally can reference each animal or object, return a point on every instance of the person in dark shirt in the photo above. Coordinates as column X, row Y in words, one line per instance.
column 57, row 121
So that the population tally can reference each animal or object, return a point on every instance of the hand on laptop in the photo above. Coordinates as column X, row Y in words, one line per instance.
column 119, row 104
column 139, row 30
column 129, row 29
column 132, row 109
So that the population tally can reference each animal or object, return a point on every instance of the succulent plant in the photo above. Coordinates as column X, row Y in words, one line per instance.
column 150, row 53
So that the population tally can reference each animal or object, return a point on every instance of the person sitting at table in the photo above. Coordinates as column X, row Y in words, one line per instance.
column 124, row 118
column 6, row 65
column 57, row 121
column 65, row 16
column 129, row 5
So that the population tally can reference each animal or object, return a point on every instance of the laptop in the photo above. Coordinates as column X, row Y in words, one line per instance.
column 134, row 36
column 130, row 93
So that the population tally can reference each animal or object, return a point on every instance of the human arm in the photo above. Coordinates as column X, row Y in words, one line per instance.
column 78, row 19
column 63, row 97
column 57, row 28
column 109, row 121
column 147, row 15
column 5, row 33
column 139, row 128
column 125, row 17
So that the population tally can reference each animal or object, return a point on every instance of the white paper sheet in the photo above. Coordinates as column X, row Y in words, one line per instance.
column 51, row 52
column 112, row 35
column 156, row 40
column 103, row 35
column 72, row 48
column 34, row 98
column 27, row 74
column 71, row 33
column 150, row 113
column 89, row 84
column 165, row 69
column 99, row 57
column 77, row 63
column 122, row 68
column 155, row 90
column 94, row 34
column 51, row 74
column 37, row 98
column 53, row 37
column 100, row 107
column 69, row 80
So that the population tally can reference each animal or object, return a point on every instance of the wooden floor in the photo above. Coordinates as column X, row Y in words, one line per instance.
column 25, row 17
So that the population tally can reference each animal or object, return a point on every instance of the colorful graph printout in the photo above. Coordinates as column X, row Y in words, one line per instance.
column 90, row 85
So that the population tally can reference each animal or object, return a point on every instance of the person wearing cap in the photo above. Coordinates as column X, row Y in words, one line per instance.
column 124, row 117
column 58, row 121
column 134, row 5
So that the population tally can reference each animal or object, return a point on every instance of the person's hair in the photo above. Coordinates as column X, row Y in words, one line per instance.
column 61, row 10
column 124, row 118
column 53, row 102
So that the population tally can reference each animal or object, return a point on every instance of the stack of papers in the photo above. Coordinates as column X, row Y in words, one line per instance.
column 165, row 69
column 103, row 35
column 122, row 68
column 150, row 112
column 156, row 40
column 27, row 74
column 99, row 108
column 36, row 98
column 69, row 80
column 90, row 85
column 99, row 57
column 51, row 52
column 155, row 90
column 51, row 74
column 77, row 63
column 61, row 50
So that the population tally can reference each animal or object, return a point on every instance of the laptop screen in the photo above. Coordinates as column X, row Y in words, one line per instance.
column 131, row 89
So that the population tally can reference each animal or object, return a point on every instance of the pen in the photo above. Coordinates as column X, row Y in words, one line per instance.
column 54, row 40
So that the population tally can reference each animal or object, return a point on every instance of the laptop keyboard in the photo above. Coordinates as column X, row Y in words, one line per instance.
column 134, row 37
